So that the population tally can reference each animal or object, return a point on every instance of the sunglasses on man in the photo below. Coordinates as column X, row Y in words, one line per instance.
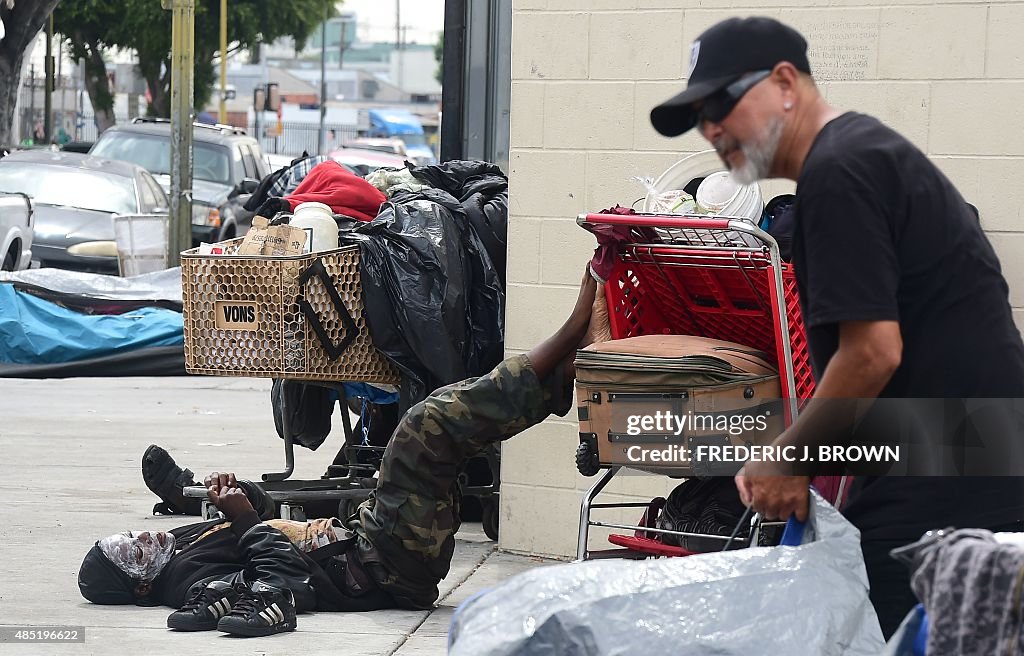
column 721, row 103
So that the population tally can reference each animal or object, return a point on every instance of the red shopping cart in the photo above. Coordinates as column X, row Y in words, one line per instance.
column 715, row 277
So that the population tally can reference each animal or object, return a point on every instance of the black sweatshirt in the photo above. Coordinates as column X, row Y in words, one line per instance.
column 250, row 551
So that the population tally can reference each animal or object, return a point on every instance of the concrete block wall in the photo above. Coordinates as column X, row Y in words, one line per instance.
column 585, row 74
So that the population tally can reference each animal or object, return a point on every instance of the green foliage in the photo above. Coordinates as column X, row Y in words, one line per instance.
column 145, row 27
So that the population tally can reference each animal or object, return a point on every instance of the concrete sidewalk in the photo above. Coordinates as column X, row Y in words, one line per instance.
column 70, row 453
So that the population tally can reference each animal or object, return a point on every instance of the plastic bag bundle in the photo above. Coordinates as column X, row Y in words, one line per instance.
column 810, row 599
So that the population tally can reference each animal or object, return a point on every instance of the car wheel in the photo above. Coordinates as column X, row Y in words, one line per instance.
column 11, row 258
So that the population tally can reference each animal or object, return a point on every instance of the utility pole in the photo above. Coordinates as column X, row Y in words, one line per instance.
column 222, row 116
column 48, row 88
column 341, row 43
column 80, row 99
column 32, row 103
column 321, row 136
column 398, row 40
column 179, row 234
column 60, row 80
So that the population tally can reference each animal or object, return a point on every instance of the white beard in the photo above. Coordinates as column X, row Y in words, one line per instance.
column 759, row 154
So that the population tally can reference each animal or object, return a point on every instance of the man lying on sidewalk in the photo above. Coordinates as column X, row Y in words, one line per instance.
column 246, row 577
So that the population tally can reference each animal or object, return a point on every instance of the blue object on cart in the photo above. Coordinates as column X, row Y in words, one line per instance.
column 911, row 639
column 921, row 639
column 793, row 534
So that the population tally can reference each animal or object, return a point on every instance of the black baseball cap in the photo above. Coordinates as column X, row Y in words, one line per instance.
column 723, row 54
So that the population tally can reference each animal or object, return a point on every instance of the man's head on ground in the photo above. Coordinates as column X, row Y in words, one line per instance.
column 121, row 568
column 749, row 92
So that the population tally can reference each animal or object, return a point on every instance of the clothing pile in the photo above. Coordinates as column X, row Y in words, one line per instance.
column 432, row 266
column 970, row 584
column 432, row 259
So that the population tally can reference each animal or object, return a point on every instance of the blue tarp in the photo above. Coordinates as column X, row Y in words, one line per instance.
column 34, row 331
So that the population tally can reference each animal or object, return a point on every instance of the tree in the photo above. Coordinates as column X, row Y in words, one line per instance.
column 96, row 26
column 22, row 21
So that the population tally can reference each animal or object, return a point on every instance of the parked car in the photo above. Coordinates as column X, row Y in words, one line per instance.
column 16, row 219
column 74, row 198
column 383, row 145
column 227, row 166
column 363, row 162
column 397, row 123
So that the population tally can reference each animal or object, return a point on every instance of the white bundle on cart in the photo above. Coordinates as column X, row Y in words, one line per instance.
column 809, row 599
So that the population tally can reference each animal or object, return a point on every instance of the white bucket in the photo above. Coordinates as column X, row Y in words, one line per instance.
column 317, row 220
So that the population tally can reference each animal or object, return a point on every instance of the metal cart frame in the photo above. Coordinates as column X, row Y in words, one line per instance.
column 706, row 247
column 350, row 490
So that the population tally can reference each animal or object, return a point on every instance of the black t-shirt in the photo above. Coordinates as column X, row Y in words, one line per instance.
column 881, row 234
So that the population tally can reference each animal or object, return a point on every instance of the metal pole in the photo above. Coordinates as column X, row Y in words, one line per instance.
column 222, row 117
column 341, row 43
column 80, row 99
column 398, row 41
column 32, row 103
column 60, row 80
column 258, row 111
column 48, row 88
column 321, row 136
column 179, row 235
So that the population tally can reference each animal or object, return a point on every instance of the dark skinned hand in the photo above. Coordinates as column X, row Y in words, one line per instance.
column 230, row 500
column 218, row 482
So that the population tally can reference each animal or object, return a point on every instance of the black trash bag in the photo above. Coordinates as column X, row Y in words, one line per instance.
column 710, row 506
column 434, row 303
column 482, row 189
column 309, row 411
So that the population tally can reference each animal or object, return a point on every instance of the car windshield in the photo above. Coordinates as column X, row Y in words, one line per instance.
column 153, row 153
column 73, row 187
column 414, row 140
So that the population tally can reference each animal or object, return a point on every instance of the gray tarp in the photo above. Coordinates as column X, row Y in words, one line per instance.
column 811, row 599
column 157, row 286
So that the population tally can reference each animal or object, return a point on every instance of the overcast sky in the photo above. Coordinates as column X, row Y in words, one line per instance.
column 376, row 19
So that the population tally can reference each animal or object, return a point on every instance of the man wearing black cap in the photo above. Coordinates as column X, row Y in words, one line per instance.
column 902, row 294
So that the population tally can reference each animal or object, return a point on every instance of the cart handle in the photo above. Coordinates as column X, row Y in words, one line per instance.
column 665, row 221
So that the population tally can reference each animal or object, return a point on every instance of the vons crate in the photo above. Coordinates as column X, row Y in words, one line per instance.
column 298, row 316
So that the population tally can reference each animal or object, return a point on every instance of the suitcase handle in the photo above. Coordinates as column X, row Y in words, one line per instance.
column 333, row 350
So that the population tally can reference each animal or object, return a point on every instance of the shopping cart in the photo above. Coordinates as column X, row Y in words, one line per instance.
column 715, row 277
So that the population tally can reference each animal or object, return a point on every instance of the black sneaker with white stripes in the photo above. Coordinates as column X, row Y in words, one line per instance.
column 206, row 607
column 261, row 611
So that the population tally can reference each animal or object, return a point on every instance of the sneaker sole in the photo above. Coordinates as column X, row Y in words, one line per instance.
column 242, row 629
column 186, row 624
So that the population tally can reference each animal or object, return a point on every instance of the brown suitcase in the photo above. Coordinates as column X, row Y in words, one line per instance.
column 671, row 403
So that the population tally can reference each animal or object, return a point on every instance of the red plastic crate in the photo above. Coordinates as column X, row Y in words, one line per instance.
column 710, row 295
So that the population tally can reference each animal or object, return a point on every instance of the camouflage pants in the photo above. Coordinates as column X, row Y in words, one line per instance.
column 407, row 526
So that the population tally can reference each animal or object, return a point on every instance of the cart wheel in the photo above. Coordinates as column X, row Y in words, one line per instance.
column 586, row 460
column 490, row 517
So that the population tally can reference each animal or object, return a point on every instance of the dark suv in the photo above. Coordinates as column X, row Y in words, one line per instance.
column 227, row 166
